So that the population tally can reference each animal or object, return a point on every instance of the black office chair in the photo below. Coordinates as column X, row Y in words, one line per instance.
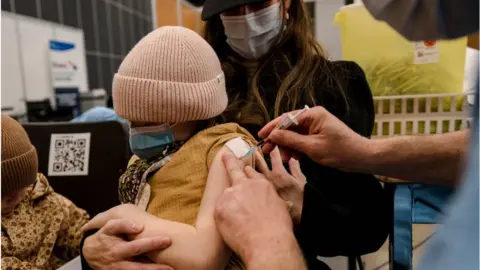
column 39, row 111
column 96, row 191
column 68, row 104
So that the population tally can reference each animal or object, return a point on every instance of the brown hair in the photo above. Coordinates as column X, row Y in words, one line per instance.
column 295, row 64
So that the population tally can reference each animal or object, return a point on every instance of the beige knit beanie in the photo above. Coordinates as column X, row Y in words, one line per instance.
column 172, row 75
column 19, row 157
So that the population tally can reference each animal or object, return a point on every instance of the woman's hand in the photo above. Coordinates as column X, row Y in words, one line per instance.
column 289, row 186
column 108, row 249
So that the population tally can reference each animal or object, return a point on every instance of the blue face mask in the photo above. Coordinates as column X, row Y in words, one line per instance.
column 148, row 142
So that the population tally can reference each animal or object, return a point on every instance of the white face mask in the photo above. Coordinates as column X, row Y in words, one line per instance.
column 252, row 35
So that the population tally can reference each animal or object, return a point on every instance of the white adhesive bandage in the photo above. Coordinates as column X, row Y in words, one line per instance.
column 238, row 146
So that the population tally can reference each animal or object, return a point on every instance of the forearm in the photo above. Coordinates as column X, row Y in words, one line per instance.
column 433, row 159
column 282, row 253
column 202, row 249
column 203, row 243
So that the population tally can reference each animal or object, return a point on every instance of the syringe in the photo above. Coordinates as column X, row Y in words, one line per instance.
column 285, row 123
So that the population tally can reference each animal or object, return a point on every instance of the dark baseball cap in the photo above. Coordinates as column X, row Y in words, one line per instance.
column 215, row 7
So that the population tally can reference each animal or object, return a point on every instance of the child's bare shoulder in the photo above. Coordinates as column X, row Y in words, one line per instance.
column 229, row 135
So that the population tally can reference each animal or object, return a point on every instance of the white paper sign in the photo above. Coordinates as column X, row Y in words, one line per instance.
column 65, row 59
column 426, row 52
column 69, row 154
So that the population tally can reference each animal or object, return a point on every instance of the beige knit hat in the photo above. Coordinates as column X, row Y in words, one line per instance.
column 19, row 157
column 172, row 75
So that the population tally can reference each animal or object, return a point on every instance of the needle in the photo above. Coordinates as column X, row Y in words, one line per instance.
column 284, row 124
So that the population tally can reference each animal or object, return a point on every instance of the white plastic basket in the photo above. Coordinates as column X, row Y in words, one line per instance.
column 421, row 114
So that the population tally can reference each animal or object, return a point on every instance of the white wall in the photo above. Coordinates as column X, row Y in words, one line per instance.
column 154, row 14
column 26, row 61
column 13, row 92
column 327, row 33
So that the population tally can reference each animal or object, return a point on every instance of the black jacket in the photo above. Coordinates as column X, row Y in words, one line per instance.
column 344, row 214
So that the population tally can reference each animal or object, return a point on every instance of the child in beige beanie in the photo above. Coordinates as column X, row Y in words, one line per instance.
column 171, row 87
column 40, row 228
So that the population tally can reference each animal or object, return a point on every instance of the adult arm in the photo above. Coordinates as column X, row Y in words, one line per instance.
column 429, row 159
column 281, row 255
column 434, row 159
column 106, row 248
column 245, row 214
column 438, row 156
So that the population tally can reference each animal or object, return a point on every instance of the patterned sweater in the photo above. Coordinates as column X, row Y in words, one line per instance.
column 43, row 232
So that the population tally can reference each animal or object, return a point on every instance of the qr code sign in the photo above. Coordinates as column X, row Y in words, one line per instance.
column 69, row 154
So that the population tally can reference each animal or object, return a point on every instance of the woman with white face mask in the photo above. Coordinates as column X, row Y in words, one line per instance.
column 273, row 65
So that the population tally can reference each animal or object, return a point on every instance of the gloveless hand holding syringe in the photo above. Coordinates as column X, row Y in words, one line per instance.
column 286, row 122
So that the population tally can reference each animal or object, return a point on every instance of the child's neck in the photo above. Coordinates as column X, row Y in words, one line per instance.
column 184, row 131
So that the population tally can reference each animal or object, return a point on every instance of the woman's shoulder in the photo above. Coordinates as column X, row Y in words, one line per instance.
column 349, row 68
column 350, row 75
column 354, row 103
